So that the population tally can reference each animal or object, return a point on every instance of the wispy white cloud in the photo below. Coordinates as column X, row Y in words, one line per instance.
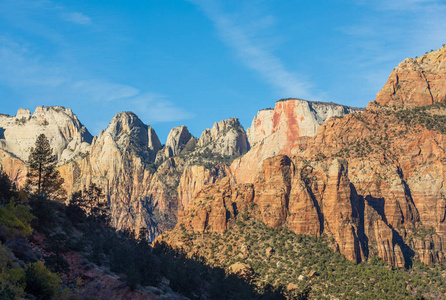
column 103, row 91
column 76, row 17
column 41, row 78
column 156, row 108
column 235, row 32
column 403, row 24
column 23, row 68
column 390, row 32
column 42, row 82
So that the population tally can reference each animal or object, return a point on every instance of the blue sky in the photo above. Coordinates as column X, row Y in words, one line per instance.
column 176, row 62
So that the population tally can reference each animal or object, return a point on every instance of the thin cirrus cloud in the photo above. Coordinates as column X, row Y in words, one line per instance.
column 30, row 74
column 77, row 18
column 38, row 78
column 254, row 55
column 27, row 72
column 391, row 31
column 103, row 91
column 157, row 108
column 21, row 68
column 401, row 24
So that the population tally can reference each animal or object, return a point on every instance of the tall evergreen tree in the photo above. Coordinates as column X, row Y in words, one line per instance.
column 43, row 178
column 93, row 201
column 7, row 188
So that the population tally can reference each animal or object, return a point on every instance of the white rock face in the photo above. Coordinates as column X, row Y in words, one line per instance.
column 176, row 141
column 153, row 142
column 261, row 126
column 306, row 116
column 226, row 137
column 127, row 129
column 126, row 132
column 119, row 163
column 67, row 136
column 277, row 131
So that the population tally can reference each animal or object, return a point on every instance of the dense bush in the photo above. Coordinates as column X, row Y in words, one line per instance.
column 40, row 281
column 15, row 221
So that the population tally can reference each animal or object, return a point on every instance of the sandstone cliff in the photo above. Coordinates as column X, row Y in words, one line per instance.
column 416, row 81
column 293, row 116
column 68, row 137
column 119, row 162
column 227, row 138
column 280, row 131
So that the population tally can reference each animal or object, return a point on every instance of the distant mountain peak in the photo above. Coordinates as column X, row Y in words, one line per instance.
column 416, row 82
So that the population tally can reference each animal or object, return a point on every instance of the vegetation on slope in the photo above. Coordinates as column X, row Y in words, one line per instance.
column 52, row 250
column 294, row 263
column 382, row 130
column 44, row 270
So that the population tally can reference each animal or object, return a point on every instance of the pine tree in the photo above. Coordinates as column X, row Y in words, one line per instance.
column 8, row 189
column 93, row 202
column 43, row 178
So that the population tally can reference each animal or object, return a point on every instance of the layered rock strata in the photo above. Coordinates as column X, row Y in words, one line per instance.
column 416, row 81
column 280, row 131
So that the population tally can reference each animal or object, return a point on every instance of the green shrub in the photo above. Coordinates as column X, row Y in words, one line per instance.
column 12, row 277
column 16, row 220
column 41, row 282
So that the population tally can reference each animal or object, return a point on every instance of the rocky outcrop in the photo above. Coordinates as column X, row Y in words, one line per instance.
column 176, row 141
column 416, row 82
column 153, row 143
column 68, row 137
column 227, row 138
column 242, row 270
column 118, row 162
column 193, row 179
column 261, row 126
column 280, row 131
column 293, row 116
column 14, row 167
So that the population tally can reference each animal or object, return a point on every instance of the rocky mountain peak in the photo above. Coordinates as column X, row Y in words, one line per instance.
column 124, row 122
column 23, row 113
column 177, row 139
column 416, row 82
column 67, row 136
column 226, row 137
column 126, row 129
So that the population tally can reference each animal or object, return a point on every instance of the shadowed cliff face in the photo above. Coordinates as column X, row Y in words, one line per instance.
column 397, row 172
